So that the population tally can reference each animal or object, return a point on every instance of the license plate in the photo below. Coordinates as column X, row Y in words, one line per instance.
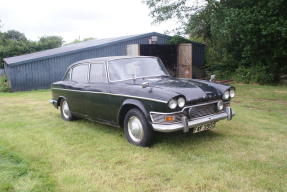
column 203, row 127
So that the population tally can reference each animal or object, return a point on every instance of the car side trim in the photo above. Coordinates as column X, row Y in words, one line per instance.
column 121, row 95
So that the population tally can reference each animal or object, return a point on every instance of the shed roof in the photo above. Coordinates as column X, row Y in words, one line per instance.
column 110, row 58
column 75, row 47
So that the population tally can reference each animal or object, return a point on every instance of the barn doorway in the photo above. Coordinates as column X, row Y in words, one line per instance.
column 183, row 60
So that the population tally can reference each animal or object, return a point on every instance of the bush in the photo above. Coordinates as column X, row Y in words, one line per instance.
column 253, row 74
column 4, row 85
column 176, row 39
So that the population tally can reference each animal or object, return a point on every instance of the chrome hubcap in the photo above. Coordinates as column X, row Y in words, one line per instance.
column 66, row 110
column 135, row 129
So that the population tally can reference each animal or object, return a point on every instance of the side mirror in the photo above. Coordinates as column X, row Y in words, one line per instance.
column 212, row 78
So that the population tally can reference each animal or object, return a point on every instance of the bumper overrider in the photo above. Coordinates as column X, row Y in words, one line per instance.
column 54, row 103
column 186, row 124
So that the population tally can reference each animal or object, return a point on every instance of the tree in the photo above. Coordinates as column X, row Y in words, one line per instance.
column 14, row 35
column 49, row 42
column 79, row 40
column 13, row 43
column 246, row 40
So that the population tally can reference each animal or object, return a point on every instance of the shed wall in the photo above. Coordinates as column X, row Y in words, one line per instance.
column 2, row 72
column 41, row 73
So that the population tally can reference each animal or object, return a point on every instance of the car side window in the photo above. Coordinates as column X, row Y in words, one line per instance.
column 98, row 73
column 68, row 75
column 80, row 73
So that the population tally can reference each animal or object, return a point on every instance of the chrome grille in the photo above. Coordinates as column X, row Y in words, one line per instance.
column 202, row 110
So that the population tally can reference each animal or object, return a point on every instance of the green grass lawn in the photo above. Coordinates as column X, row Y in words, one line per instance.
column 41, row 152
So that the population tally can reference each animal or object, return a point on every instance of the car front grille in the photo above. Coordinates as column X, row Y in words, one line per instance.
column 192, row 112
column 202, row 110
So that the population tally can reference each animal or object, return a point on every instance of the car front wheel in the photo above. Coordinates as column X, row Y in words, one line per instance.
column 137, row 129
column 65, row 111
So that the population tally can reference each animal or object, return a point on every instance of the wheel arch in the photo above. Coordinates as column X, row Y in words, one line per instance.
column 126, row 106
column 59, row 100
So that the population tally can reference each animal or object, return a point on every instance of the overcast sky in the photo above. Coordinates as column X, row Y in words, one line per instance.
column 82, row 18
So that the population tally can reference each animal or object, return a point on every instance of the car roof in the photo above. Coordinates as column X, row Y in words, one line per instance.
column 105, row 59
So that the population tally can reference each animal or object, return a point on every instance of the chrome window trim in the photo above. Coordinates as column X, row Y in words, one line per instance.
column 89, row 72
column 130, row 96
column 65, row 77
column 107, row 73
column 71, row 72
column 76, row 65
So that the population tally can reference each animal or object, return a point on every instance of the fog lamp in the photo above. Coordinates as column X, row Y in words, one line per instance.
column 220, row 105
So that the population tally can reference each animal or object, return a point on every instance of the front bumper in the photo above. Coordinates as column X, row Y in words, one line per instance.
column 185, row 125
column 54, row 102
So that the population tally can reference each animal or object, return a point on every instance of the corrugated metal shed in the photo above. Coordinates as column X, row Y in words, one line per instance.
column 38, row 70
column 2, row 72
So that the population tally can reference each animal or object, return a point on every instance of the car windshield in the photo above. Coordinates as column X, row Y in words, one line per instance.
column 131, row 68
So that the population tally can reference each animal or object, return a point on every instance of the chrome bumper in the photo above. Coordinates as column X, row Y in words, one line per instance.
column 185, row 125
column 54, row 102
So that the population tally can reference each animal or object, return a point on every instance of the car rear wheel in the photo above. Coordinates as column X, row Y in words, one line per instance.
column 65, row 111
column 137, row 129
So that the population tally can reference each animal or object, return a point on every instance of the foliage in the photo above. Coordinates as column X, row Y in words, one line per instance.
column 49, row 42
column 13, row 43
column 245, row 39
column 79, row 40
column 4, row 85
column 178, row 39
column 82, row 156
column 17, row 174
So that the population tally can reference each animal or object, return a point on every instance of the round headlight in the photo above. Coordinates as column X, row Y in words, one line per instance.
column 226, row 95
column 181, row 102
column 172, row 104
column 232, row 93
column 220, row 105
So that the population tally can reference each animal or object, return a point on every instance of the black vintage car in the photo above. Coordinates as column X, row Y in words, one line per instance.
column 137, row 94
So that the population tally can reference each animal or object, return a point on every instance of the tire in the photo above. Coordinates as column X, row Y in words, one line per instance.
column 137, row 130
column 66, row 114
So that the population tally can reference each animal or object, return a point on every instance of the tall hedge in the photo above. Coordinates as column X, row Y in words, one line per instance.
column 246, row 39
column 13, row 43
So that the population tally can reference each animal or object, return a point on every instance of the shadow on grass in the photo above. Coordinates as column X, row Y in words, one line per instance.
column 186, row 138
column 102, row 127
column 173, row 138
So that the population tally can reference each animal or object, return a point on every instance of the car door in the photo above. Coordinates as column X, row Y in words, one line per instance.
column 97, row 97
column 76, row 89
